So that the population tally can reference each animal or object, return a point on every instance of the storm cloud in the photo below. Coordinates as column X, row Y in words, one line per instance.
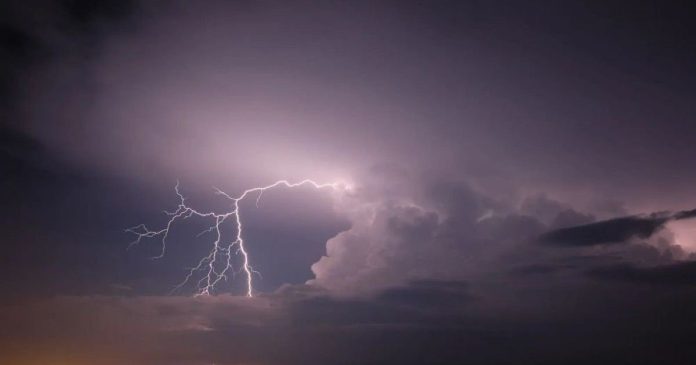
column 612, row 231
column 498, row 163
column 682, row 273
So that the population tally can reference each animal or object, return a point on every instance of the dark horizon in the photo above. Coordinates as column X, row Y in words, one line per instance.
column 491, row 182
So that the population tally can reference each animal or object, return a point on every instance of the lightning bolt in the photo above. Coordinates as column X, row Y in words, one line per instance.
column 221, row 252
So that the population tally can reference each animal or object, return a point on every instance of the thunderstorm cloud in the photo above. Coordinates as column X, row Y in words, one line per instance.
column 516, row 182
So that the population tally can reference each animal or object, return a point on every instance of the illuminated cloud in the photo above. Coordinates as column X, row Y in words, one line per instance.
column 500, row 159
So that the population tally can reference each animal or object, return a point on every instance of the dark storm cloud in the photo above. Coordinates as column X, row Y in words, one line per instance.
column 481, row 89
column 614, row 231
column 437, row 297
column 394, row 327
column 537, row 269
column 84, row 14
column 234, row 329
column 421, row 303
column 677, row 274
column 17, row 148
column 34, row 33
column 687, row 214
column 16, row 49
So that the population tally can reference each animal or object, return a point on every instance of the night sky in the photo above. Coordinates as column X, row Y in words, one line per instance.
column 515, row 182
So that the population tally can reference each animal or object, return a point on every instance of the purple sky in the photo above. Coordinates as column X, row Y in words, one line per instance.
column 521, row 180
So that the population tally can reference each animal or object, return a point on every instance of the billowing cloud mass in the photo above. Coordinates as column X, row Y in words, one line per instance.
column 518, row 181
column 404, row 228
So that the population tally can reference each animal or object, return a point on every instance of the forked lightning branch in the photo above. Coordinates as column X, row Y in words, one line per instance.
column 218, row 264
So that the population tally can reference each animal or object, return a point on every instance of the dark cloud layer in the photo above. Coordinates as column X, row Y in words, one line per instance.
column 287, row 328
column 683, row 273
column 514, row 93
column 617, row 230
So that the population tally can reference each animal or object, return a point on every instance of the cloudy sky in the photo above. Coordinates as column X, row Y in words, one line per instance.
column 515, row 182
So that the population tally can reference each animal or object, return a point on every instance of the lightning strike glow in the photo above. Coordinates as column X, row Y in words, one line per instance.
column 221, row 253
